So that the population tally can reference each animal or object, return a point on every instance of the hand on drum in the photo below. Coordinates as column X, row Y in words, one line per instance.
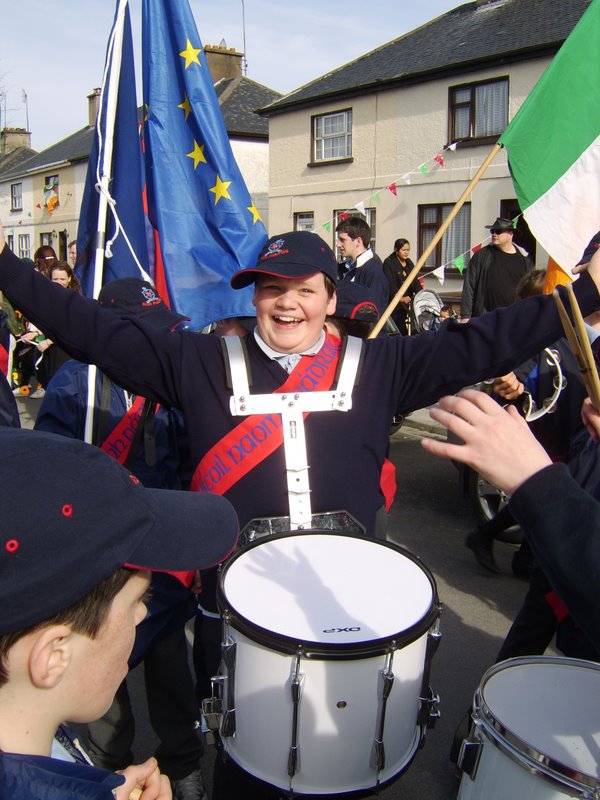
column 497, row 443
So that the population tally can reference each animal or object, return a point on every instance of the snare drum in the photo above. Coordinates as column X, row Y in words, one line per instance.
column 326, row 649
column 536, row 732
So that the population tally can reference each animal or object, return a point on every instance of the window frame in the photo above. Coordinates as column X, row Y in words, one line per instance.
column 24, row 244
column 299, row 216
column 433, row 227
column 16, row 198
column 470, row 104
column 347, row 135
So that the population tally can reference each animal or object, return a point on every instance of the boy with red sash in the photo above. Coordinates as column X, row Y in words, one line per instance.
column 295, row 281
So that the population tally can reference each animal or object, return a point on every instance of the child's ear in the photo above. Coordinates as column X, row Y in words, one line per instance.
column 50, row 655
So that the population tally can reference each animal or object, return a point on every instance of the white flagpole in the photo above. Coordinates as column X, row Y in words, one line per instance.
column 110, row 87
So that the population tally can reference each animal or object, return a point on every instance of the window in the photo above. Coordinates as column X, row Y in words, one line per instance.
column 16, row 197
column 24, row 245
column 455, row 242
column 10, row 241
column 45, row 239
column 332, row 136
column 51, row 192
column 304, row 221
column 478, row 110
column 371, row 217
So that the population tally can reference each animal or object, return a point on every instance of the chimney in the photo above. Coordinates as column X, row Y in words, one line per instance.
column 93, row 106
column 13, row 138
column 223, row 62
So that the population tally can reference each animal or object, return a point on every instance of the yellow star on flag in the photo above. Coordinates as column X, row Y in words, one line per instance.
column 197, row 154
column 254, row 211
column 186, row 106
column 220, row 189
column 190, row 54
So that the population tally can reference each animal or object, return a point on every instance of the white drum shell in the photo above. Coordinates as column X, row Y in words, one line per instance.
column 334, row 742
column 299, row 587
column 553, row 705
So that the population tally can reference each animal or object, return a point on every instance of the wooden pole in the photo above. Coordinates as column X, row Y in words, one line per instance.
column 430, row 247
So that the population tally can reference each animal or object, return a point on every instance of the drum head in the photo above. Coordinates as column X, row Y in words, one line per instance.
column 548, row 708
column 329, row 589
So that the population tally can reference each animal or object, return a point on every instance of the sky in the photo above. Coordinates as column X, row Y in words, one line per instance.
column 52, row 51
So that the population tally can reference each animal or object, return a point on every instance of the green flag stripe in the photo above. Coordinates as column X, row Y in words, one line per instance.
column 561, row 117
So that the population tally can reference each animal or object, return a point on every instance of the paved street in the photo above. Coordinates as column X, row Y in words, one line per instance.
column 431, row 519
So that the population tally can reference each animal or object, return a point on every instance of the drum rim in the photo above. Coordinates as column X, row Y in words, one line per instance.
column 516, row 748
column 326, row 651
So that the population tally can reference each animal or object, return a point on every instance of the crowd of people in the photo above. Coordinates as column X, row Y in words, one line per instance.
column 208, row 463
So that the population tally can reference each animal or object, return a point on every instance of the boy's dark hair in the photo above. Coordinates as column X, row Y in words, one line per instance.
column 86, row 616
column 354, row 327
column 355, row 226
column 531, row 284
column 329, row 286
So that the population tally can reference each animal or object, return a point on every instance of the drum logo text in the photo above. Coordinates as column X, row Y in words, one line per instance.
column 340, row 630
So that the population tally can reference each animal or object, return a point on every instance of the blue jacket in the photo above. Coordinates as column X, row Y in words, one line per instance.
column 26, row 777
column 63, row 412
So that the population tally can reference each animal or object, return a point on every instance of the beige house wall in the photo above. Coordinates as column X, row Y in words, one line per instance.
column 394, row 132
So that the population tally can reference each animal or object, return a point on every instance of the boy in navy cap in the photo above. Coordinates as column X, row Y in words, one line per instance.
column 89, row 542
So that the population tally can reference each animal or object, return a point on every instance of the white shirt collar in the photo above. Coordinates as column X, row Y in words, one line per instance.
column 275, row 355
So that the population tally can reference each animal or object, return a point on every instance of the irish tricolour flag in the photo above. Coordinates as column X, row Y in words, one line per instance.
column 553, row 146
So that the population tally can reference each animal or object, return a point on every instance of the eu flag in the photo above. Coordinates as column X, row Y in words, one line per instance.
column 207, row 224
column 125, row 170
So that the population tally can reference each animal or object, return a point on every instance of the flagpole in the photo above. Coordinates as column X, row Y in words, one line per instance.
column 112, row 75
column 430, row 247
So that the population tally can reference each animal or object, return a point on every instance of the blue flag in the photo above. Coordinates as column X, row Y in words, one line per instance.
column 126, row 176
column 207, row 224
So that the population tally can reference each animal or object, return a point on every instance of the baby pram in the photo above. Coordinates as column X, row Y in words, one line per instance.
column 425, row 311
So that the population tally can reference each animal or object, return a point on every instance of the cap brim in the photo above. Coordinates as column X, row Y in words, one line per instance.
column 190, row 531
column 245, row 277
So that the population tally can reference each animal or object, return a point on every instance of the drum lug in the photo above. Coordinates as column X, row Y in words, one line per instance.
column 469, row 755
column 386, row 681
column 296, row 692
column 211, row 715
column 228, row 656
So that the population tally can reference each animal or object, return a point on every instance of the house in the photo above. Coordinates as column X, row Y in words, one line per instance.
column 41, row 193
column 400, row 132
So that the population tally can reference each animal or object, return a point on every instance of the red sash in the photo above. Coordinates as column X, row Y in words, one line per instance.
column 257, row 436
column 118, row 443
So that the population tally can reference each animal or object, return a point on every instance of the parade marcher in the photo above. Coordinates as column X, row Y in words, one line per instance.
column 397, row 267
column 362, row 265
column 151, row 442
column 72, row 587
column 560, row 519
column 289, row 352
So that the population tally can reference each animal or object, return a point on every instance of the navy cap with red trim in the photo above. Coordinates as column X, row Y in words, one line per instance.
column 297, row 254
column 71, row 516
column 356, row 301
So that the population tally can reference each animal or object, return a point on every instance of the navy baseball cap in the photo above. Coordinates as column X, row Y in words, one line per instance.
column 356, row 301
column 71, row 516
column 133, row 297
column 297, row 254
column 591, row 248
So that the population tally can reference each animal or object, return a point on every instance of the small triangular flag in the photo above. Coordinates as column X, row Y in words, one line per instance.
column 392, row 187
column 406, row 178
column 439, row 274
column 360, row 207
column 377, row 198
column 476, row 248
column 439, row 159
column 423, row 169
column 452, row 146
column 327, row 226
column 344, row 215
column 459, row 263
